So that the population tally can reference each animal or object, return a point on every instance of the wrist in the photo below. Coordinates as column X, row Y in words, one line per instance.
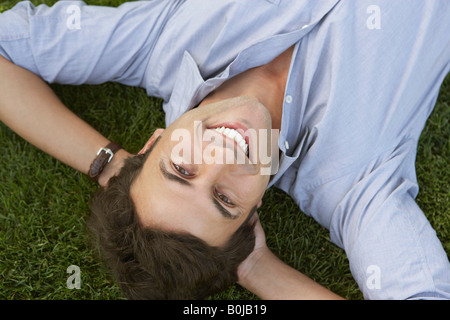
column 103, row 158
column 113, row 167
column 248, row 270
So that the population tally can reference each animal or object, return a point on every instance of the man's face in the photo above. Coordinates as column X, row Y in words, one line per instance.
column 198, row 180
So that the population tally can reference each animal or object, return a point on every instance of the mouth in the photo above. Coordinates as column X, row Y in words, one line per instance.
column 236, row 132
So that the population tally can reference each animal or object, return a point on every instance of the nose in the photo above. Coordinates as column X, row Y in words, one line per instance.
column 217, row 170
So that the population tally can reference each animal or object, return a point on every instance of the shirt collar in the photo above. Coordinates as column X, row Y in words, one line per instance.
column 190, row 88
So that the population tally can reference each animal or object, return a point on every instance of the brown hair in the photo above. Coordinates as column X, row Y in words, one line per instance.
column 149, row 263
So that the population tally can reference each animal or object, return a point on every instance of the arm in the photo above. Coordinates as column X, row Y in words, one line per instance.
column 31, row 109
column 271, row 279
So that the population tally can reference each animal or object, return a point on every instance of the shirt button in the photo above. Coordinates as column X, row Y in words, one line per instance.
column 286, row 144
column 288, row 99
column 305, row 26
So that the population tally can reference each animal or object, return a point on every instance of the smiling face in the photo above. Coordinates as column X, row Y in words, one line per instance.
column 193, row 190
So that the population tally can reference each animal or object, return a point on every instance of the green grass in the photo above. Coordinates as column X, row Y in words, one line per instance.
column 44, row 204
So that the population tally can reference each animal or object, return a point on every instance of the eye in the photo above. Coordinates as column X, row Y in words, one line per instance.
column 181, row 170
column 224, row 199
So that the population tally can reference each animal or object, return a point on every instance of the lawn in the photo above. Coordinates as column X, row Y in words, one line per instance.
column 44, row 204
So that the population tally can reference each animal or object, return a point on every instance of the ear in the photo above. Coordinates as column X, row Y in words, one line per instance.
column 259, row 204
column 152, row 140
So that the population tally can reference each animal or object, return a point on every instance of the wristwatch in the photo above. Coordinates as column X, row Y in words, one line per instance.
column 104, row 156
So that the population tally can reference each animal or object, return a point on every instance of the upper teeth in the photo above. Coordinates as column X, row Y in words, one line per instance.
column 234, row 134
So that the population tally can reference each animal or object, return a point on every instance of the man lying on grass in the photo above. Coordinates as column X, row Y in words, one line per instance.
column 323, row 99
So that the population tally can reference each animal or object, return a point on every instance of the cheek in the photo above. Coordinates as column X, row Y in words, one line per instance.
column 253, row 190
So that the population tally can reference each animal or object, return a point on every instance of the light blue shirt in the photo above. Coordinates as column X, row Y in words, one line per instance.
column 363, row 79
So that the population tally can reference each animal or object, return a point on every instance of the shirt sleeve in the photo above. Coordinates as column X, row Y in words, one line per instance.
column 393, row 251
column 75, row 43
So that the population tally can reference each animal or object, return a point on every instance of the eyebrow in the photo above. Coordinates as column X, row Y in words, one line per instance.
column 170, row 176
column 222, row 210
